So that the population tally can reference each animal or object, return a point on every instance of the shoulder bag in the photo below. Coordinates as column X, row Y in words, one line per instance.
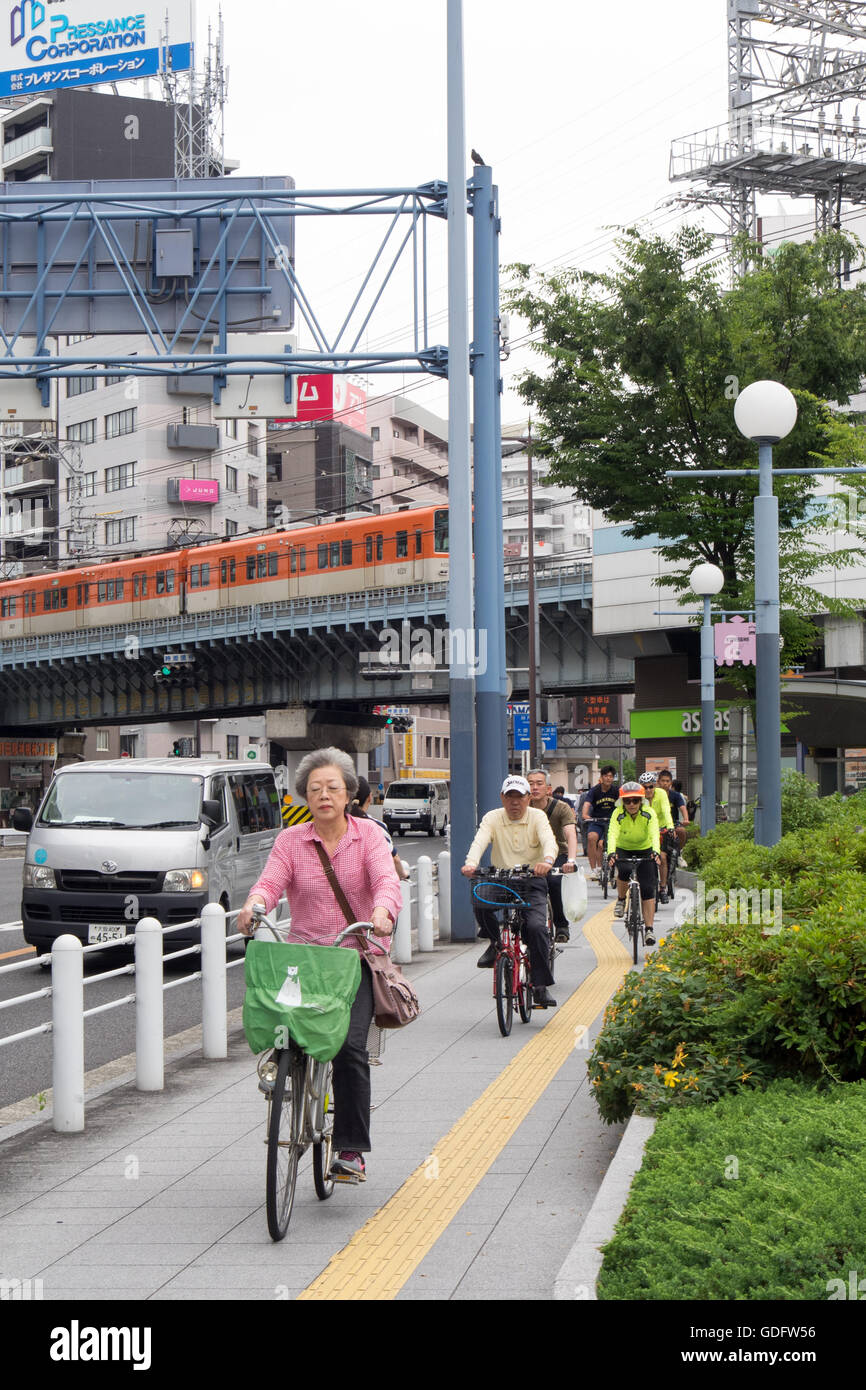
column 395, row 1002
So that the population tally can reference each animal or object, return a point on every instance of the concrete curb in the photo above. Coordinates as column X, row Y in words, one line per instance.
column 577, row 1277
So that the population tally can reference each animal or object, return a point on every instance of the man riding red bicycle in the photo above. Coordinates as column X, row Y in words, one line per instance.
column 518, row 835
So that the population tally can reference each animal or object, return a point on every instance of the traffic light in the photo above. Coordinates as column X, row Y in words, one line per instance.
column 402, row 723
column 176, row 751
column 163, row 673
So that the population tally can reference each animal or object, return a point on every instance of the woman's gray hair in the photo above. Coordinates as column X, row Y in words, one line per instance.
column 326, row 757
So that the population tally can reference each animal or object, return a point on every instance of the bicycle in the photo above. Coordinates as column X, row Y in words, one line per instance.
column 299, row 1092
column 633, row 916
column 512, row 975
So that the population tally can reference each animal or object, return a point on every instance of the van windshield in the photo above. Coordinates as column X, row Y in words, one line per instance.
column 123, row 801
column 409, row 791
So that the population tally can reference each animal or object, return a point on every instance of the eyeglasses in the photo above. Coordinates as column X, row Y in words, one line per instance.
column 632, row 800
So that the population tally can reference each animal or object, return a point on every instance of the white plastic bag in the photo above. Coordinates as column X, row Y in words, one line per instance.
column 574, row 896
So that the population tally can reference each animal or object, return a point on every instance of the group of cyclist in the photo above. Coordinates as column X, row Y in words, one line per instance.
column 640, row 820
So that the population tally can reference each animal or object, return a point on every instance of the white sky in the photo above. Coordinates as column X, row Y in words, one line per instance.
column 573, row 103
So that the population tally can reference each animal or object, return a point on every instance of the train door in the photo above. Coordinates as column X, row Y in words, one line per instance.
column 139, row 595
column 374, row 555
column 227, row 578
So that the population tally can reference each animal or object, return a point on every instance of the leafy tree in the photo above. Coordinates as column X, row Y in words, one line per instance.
column 643, row 366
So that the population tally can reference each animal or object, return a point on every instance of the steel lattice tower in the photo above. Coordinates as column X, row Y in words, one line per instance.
column 796, row 76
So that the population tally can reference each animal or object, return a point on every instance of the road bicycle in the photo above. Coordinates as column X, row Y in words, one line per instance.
column 299, row 1092
column 512, row 976
column 633, row 915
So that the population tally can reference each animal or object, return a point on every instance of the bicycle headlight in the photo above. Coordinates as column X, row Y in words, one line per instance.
column 185, row 880
column 39, row 876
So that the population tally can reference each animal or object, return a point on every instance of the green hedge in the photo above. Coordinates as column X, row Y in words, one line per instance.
column 757, row 1197
column 724, row 1004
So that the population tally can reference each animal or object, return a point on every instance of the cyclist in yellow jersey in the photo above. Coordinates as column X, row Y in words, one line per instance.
column 634, row 830
column 659, row 801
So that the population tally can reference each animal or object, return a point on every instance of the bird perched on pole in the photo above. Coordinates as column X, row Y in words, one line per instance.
column 476, row 157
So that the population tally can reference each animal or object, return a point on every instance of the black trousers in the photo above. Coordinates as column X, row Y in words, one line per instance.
column 554, row 888
column 534, row 893
column 352, row 1075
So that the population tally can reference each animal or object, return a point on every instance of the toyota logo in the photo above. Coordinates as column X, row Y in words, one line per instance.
column 109, row 866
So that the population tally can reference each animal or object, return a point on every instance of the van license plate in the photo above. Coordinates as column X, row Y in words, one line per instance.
column 98, row 931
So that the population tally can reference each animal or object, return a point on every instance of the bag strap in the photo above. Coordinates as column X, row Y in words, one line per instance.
column 334, row 882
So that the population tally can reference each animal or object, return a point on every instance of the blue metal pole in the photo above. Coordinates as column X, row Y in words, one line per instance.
column 502, row 733
column 460, row 586
column 486, row 455
column 768, row 814
column 708, row 722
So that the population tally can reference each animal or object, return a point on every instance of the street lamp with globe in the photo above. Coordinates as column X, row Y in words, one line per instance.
column 707, row 580
column 766, row 412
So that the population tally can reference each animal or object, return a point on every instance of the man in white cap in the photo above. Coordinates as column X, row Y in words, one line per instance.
column 518, row 834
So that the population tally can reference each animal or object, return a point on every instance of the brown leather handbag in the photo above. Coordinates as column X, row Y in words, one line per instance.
column 395, row 1002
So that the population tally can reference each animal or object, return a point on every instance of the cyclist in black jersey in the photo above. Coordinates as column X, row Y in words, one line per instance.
column 597, row 811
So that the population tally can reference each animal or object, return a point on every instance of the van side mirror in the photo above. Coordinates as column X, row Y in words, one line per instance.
column 22, row 818
column 211, row 813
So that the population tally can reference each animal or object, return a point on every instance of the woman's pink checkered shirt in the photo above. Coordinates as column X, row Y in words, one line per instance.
column 364, row 869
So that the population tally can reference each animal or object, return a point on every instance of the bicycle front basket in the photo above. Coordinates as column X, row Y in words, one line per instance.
column 300, row 992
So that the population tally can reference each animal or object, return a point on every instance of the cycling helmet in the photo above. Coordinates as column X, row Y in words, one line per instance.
column 631, row 789
column 647, row 779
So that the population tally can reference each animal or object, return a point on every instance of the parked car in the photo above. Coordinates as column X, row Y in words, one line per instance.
column 113, row 842
column 416, row 805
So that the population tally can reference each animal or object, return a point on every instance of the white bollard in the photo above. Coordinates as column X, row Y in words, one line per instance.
column 67, row 982
column 401, row 944
column 214, row 1005
column 445, row 896
column 149, row 1013
column 424, row 875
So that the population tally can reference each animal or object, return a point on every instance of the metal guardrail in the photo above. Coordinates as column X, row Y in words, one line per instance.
column 66, row 990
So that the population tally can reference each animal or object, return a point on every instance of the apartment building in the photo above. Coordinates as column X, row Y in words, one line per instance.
column 151, row 469
column 410, row 454
column 561, row 526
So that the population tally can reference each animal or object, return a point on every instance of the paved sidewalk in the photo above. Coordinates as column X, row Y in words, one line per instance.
column 162, row 1196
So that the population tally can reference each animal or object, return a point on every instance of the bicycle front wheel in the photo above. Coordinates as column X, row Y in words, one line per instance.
column 322, row 1121
column 285, row 1131
column 634, row 917
column 504, row 993
column 524, row 991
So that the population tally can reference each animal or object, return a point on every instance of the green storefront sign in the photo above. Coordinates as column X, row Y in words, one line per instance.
column 677, row 723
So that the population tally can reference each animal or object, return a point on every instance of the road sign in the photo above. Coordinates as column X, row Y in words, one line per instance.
column 519, row 707
column 178, row 659
column 548, row 738
column 521, row 730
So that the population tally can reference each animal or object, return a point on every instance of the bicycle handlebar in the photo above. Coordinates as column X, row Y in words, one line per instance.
column 261, row 918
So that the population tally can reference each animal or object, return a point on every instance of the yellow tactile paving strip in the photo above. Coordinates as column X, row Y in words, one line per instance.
column 383, row 1254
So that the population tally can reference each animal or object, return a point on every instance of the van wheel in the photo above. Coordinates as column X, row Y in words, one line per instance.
column 44, row 959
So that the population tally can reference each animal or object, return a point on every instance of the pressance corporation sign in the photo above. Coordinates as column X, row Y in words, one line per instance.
column 80, row 43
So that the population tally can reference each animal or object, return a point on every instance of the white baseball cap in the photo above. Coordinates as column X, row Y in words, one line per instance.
column 516, row 784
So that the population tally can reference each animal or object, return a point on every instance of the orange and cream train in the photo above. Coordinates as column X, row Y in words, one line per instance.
column 348, row 556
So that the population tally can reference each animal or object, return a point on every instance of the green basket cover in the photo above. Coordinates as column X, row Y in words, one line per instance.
column 308, row 991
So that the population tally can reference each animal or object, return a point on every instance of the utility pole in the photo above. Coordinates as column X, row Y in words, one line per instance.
column 534, row 644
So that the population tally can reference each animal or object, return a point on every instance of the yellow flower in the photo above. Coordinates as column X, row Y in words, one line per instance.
column 670, row 1078
column 637, row 1085
column 795, row 926
column 665, row 968
column 679, row 1056
column 744, row 1076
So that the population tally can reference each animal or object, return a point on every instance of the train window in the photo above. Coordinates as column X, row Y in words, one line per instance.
column 368, row 549
column 139, row 586
column 347, row 552
column 380, row 547
column 109, row 584
column 8, row 608
column 418, row 542
column 64, row 598
column 46, row 600
column 293, row 560
column 402, row 544
column 194, row 575
column 205, row 576
column 261, row 566
column 100, row 591
column 440, row 532
column 323, row 557
column 302, row 558
column 251, row 567
column 335, row 554
column 272, row 562
column 164, row 581
column 169, row 581
column 228, row 571
column 118, row 588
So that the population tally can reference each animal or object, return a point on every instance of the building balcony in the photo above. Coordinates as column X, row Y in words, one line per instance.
column 192, row 437
column 25, row 476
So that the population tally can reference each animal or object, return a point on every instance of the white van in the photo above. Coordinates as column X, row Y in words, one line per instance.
column 116, row 841
column 417, row 805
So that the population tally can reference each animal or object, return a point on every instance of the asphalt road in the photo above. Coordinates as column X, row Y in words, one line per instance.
column 25, row 1067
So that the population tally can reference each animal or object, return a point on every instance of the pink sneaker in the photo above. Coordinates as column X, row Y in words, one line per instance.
column 348, row 1167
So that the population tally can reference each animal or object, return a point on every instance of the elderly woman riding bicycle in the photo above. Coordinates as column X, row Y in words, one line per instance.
column 359, row 857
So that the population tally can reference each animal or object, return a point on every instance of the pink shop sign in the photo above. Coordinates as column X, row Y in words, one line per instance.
column 198, row 490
